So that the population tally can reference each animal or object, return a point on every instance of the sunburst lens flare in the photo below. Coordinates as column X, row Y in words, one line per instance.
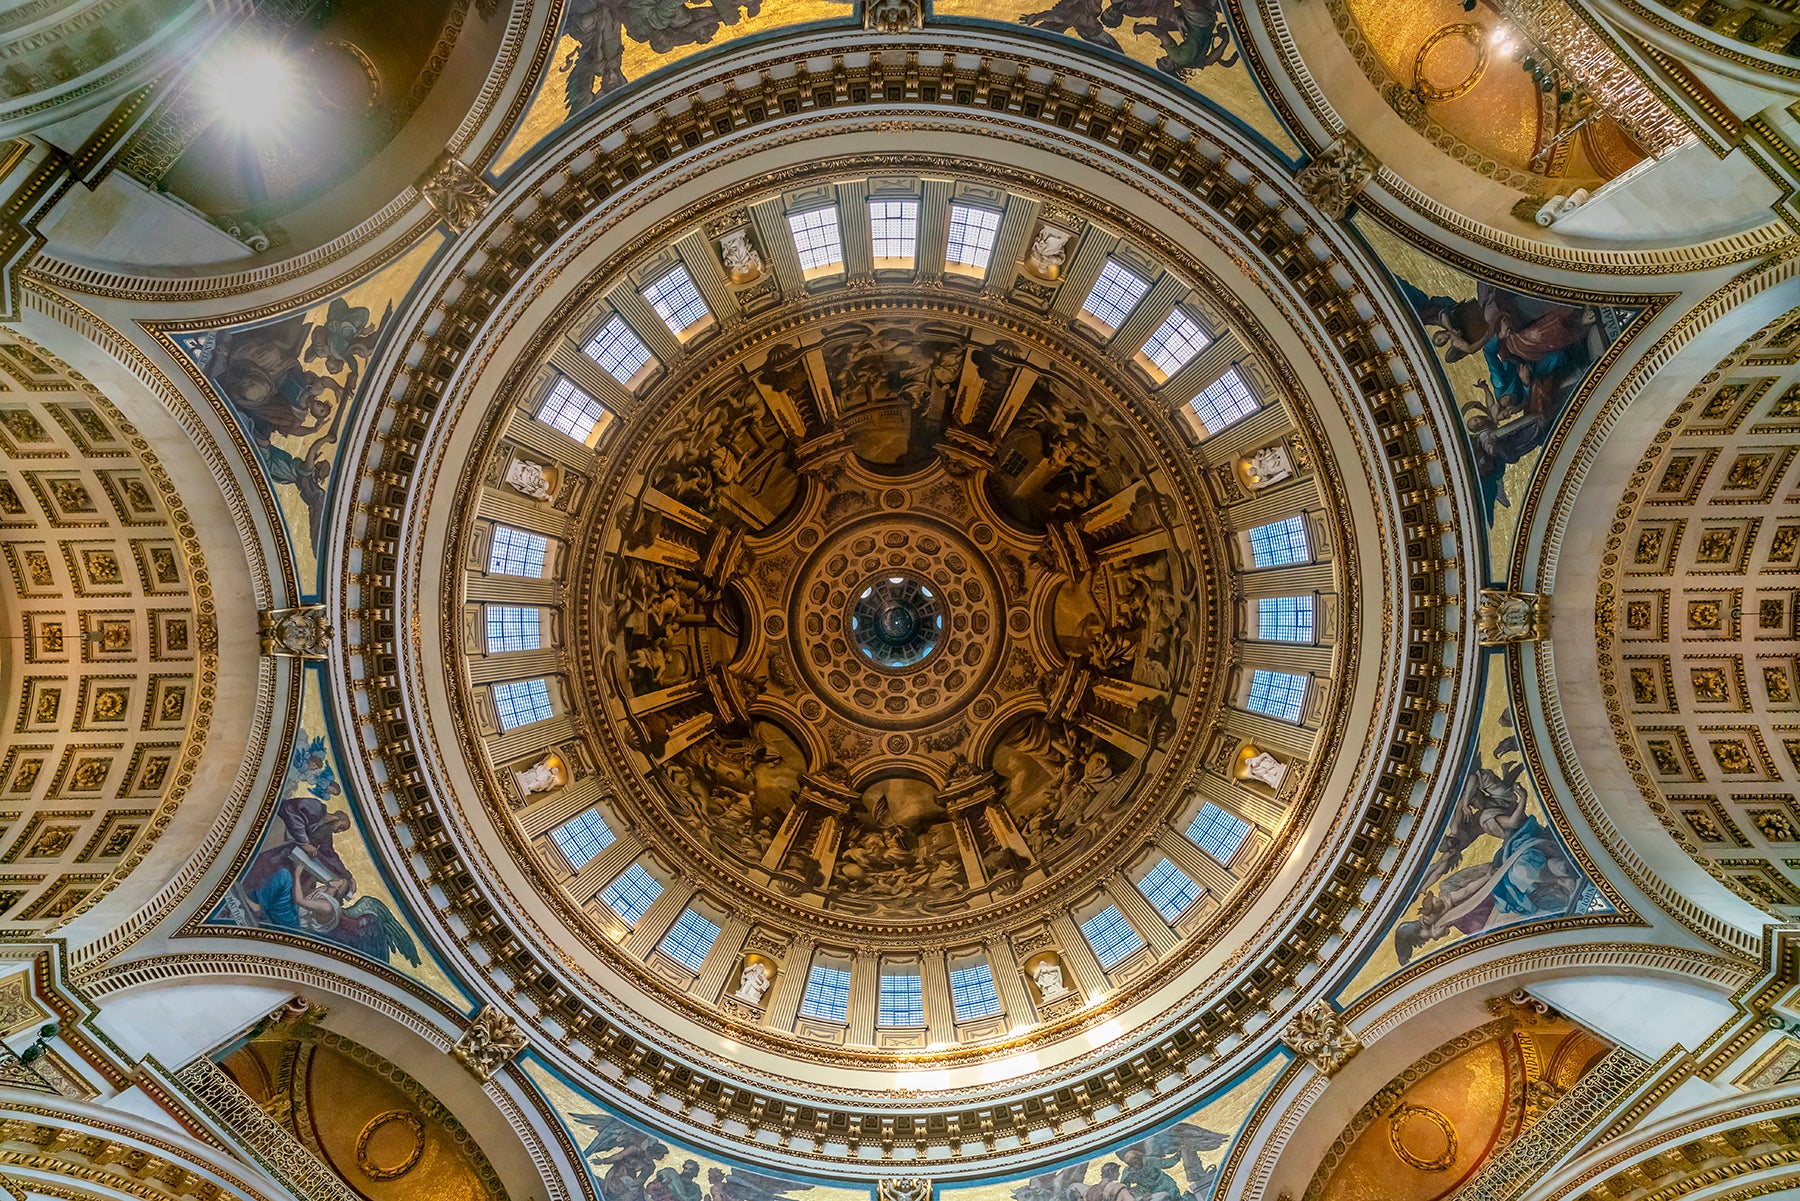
column 254, row 90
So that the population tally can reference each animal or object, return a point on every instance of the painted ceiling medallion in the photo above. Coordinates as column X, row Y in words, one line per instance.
column 898, row 617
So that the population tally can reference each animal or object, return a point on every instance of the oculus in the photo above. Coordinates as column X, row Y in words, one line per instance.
column 896, row 622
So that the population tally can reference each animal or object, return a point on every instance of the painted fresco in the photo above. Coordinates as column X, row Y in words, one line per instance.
column 605, row 44
column 312, row 872
column 1189, row 40
column 1514, row 362
column 1497, row 861
column 291, row 383
column 1180, row 1162
column 630, row 1163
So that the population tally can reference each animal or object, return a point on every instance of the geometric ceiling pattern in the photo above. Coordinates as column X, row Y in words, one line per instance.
column 1705, row 692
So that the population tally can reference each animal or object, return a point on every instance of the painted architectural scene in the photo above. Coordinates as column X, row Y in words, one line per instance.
column 899, row 600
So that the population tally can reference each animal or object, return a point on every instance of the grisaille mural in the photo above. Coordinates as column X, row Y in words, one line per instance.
column 913, row 767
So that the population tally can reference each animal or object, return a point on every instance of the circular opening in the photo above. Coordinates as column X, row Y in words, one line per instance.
column 896, row 622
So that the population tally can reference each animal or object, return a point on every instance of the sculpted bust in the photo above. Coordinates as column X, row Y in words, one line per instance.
column 742, row 262
column 1267, row 466
column 539, row 777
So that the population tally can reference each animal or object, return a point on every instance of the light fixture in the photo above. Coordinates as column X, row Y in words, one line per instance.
column 253, row 89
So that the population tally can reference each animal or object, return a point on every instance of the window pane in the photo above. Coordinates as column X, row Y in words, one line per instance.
column 1279, row 543
column 1278, row 694
column 972, row 234
column 1111, row 936
column 689, row 940
column 816, row 238
column 677, row 301
column 632, row 894
column 521, row 702
column 894, row 229
column 618, row 350
column 1175, row 343
column 517, row 552
column 1284, row 618
column 827, row 994
column 512, row 628
column 583, row 838
column 972, row 992
column 901, row 1001
column 1217, row 832
column 569, row 409
column 1170, row 889
column 1225, row 401
column 1114, row 295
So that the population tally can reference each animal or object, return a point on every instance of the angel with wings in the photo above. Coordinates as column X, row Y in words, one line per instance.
column 1140, row 1173
column 740, row 1184
column 1147, row 1163
column 623, row 1157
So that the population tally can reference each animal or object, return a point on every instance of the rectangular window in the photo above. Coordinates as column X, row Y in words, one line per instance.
column 1114, row 295
column 521, row 702
column 1112, row 937
column 972, row 234
column 1279, row 543
column 618, row 350
column 827, row 994
column 581, row 839
column 816, row 238
column 1279, row 694
column 1225, row 401
column 517, row 552
column 901, row 1000
column 972, row 992
column 631, row 895
column 1170, row 889
column 512, row 628
column 894, row 232
column 677, row 301
column 1217, row 832
column 569, row 409
column 688, row 941
column 1175, row 343
column 1284, row 618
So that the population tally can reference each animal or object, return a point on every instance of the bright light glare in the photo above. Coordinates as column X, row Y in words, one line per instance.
column 253, row 89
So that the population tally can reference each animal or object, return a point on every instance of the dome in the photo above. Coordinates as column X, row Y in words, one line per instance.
column 865, row 659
